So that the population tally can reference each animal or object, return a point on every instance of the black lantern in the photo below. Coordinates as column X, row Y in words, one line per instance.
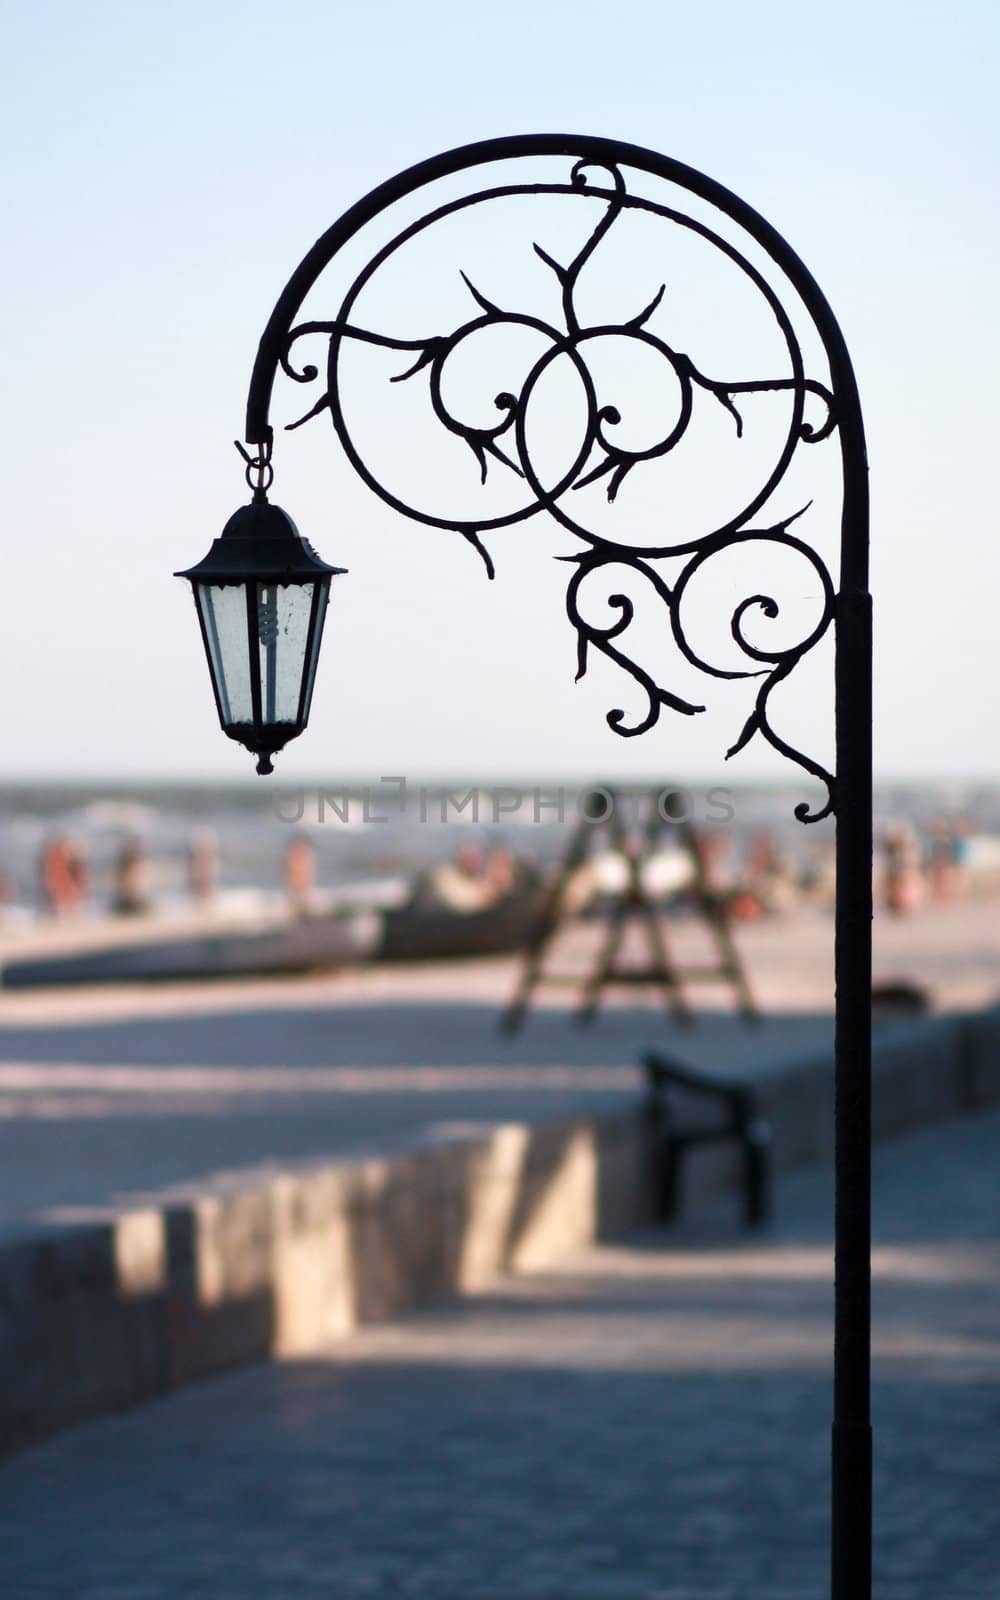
column 261, row 595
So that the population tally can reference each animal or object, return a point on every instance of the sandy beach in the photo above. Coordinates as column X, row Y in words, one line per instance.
column 110, row 1093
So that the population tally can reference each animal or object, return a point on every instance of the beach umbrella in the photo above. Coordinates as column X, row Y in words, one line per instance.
column 261, row 594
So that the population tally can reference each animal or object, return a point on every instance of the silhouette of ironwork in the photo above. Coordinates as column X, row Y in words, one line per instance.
column 599, row 455
column 597, row 172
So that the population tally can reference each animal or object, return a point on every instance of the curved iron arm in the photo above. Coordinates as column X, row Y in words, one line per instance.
column 615, row 461
column 274, row 339
column 611, row 152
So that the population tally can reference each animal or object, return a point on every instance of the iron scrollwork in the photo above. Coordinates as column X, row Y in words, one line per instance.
column 505, row 447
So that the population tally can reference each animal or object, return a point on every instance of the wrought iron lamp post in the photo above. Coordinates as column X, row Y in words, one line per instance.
column 261, row 591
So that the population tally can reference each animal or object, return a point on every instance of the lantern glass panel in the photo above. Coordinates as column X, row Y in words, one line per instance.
column 224, row 618
column 284, row 613
column 317, row 637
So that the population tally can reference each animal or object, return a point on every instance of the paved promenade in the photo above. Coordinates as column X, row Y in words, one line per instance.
column 110, row 1093
column 648, row 1423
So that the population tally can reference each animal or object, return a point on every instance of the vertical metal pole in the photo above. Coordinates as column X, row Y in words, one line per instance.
column 851, row 1545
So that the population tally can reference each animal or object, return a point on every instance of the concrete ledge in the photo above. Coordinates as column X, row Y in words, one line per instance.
column 135, row 1304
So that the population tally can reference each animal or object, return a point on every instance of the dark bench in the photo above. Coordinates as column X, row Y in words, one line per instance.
column 672, row 1089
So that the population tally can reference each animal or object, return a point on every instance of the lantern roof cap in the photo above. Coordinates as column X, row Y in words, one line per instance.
column 260, row 542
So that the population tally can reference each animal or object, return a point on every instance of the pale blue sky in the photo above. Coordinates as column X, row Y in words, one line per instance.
column 167, row 168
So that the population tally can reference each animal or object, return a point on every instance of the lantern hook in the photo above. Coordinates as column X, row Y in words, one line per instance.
column 259, row 471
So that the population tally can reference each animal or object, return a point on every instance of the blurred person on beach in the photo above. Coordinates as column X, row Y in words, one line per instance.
column 511, row 874
column 461, row 885
column 65, row 877
column 131, row 880
column 904, row 880
column 8, row 895
column 472, row 881
column 946, row 857
column 770, row 885
column 300, row 874
column 817, row 878
column 203, row 867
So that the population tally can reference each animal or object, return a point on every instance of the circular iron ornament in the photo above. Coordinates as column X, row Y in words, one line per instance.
column 596, row 172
